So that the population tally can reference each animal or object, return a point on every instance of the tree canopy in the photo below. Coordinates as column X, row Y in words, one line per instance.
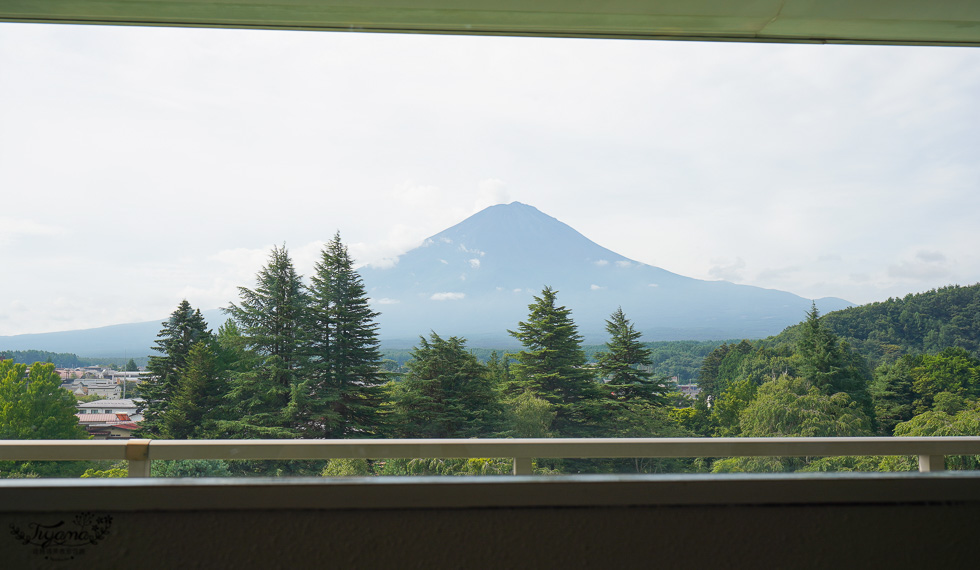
column 552, row 365
column 185, row 327
column 447, row 393
column 625, row 365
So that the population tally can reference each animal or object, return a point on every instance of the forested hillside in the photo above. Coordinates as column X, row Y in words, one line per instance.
column 921, row 323
column 59, row 359
column 909, row 368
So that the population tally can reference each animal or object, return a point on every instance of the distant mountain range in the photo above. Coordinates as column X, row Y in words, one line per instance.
column 477, row 278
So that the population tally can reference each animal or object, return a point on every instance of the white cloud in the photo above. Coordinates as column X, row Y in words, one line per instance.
column 490, row 192
column 623, row 263
column 386, row 301
column 653, row 285
column 930, row 256
column 448, row 296
column 385, row 263
column 595, row 287
column 475, row 263
column 12, row 228
column 842, row 161
column 923, row 265
column 728, row 271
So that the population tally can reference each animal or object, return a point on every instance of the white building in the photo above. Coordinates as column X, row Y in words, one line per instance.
column 127, row 407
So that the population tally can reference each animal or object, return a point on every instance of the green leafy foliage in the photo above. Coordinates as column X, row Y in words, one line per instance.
column 447, row 393
column 915, row 384
column 190, row 468
column 926, row 322
column 446, row 466
column 933, row 423
column 33, row 405
column 111, row 473
column 792, row 407
column 346, row 468
column 531, row 416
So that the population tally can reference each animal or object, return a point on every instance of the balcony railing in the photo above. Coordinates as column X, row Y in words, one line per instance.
column 139, row 453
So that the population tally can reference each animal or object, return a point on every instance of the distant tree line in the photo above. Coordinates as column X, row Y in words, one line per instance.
column 921, row 323
column 302, row 360
column 59, row 359
column 680, row 358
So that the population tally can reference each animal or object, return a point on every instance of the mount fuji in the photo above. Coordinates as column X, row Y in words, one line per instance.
column 477, row 278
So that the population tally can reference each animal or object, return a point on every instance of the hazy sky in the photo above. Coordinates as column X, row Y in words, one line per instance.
column 140, row 166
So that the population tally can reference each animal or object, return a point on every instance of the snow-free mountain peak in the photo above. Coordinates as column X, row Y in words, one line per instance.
column 476, row 278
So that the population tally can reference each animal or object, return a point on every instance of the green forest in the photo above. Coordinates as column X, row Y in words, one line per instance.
column 301, row 359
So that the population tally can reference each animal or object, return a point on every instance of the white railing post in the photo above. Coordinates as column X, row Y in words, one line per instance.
column 138, row 456
column 928, row 463
column 522, row 466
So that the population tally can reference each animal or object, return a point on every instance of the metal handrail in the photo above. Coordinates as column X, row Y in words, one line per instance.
column 931, row 451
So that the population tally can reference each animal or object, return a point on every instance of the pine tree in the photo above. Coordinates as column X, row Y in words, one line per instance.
column 552, row 366
column 626, row 367
column 195, row 407
column 185, row 327
column 830, row 364
column 340, row 394
column 269, row 320
column 447, row 393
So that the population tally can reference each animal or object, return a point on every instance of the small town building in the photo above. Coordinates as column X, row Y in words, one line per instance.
column 113, row 406
column 107, row 426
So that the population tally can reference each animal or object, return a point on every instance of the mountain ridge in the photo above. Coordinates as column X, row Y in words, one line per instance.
column 490, row 265
column 476, row 278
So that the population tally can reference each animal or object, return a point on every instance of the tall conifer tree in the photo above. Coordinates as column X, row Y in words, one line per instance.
column 185, row 327
column 446, row 393
column 340, row 394
column 269, row 319
column 625, row 365
column 830, row 364
column 195, row 406
column 552, row 366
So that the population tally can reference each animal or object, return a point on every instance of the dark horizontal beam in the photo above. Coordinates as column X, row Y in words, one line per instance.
column 886, row 22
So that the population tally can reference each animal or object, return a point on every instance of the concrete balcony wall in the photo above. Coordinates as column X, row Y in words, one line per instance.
column 795, row 521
